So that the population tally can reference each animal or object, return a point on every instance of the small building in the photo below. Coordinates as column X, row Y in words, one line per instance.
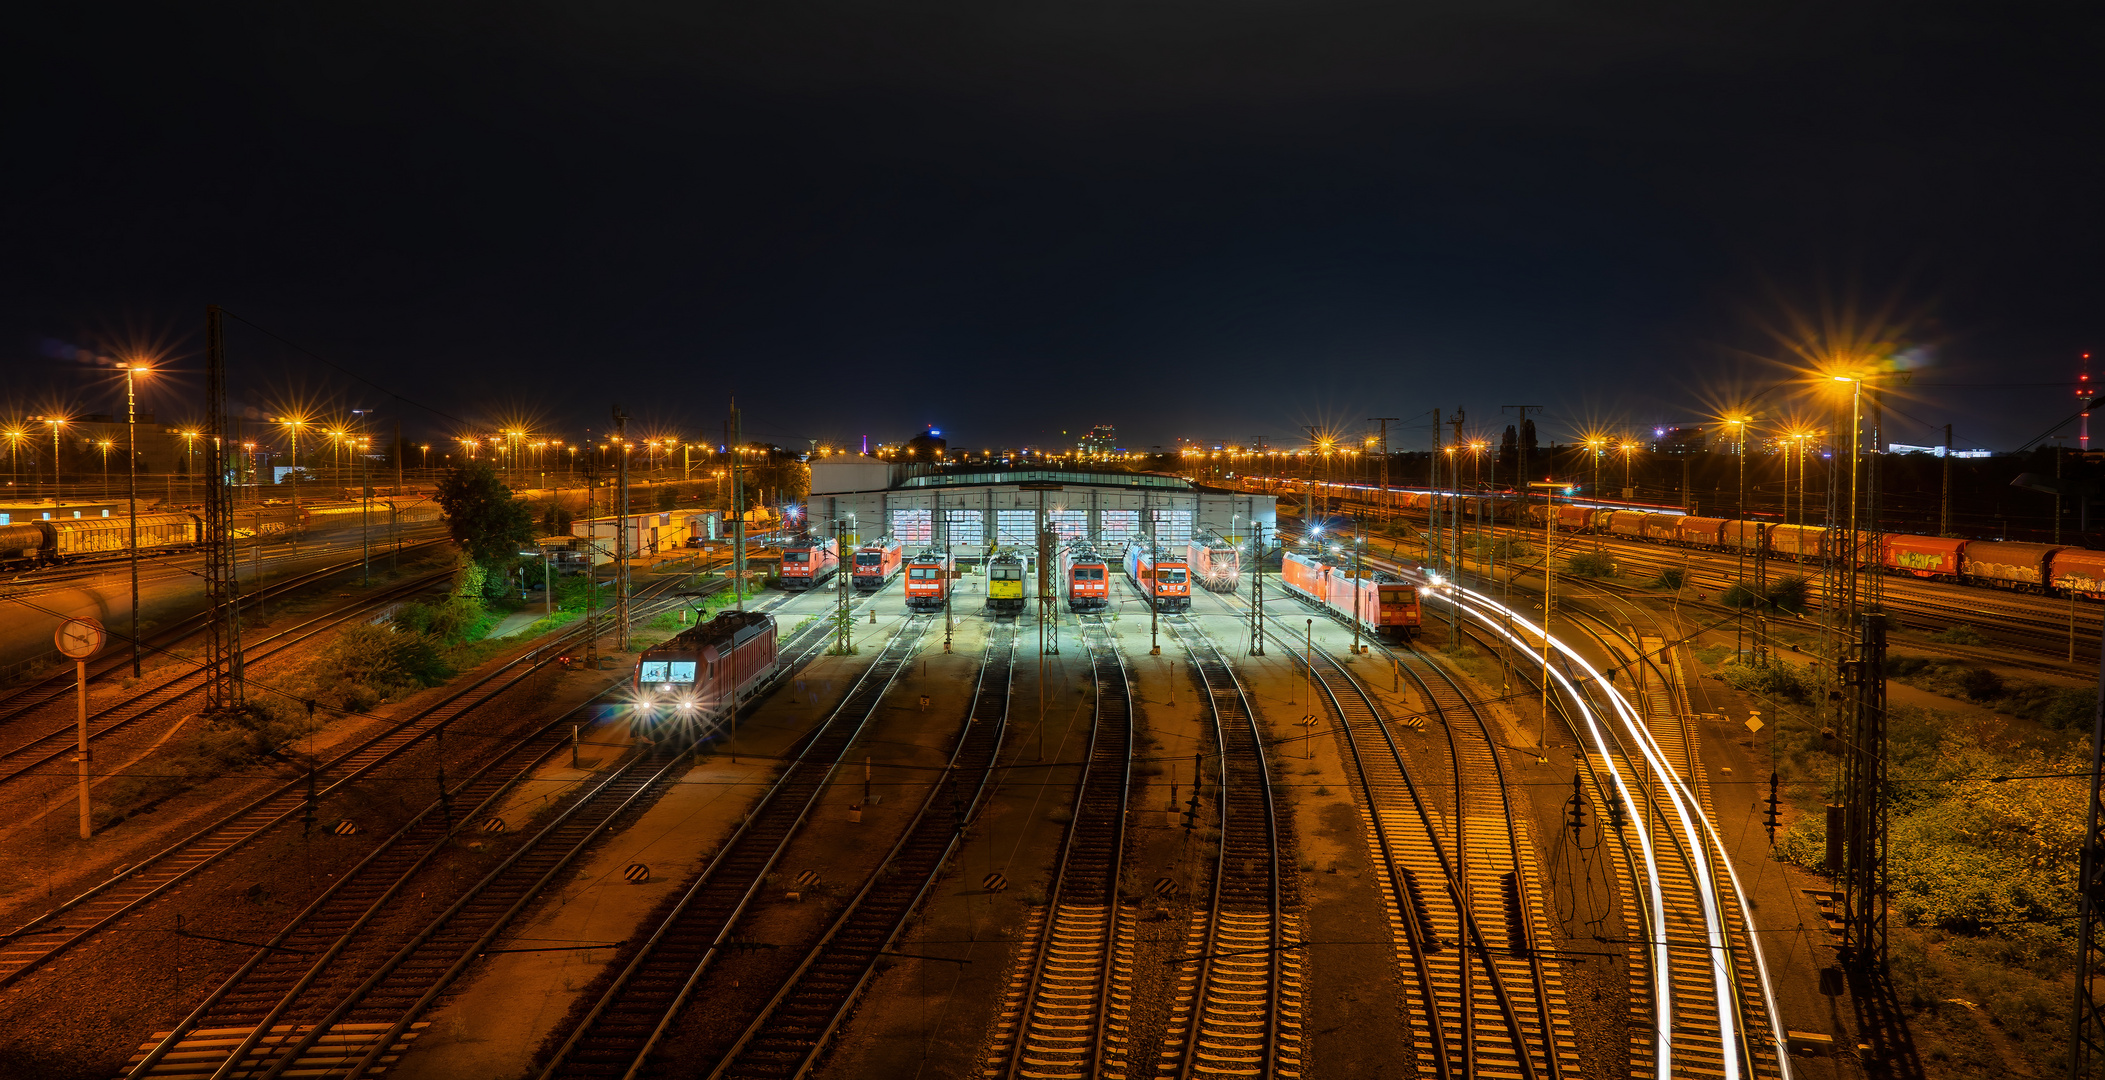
column 655, row 533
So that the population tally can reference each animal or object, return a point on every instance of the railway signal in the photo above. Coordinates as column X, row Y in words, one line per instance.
column 1770, row 816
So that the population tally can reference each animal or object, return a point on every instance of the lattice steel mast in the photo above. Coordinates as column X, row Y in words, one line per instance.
column 223, row 681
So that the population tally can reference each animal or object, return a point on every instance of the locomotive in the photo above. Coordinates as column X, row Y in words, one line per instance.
column 1382, row 605
column 1216, row 564
column 1088, row 579
column 928, row 580
column 1164, row 579
column 808, row 562
column 689, row 683
column 1005, row 583
column 875, row 564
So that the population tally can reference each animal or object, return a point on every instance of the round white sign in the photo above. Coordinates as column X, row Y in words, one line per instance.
column 80, row 638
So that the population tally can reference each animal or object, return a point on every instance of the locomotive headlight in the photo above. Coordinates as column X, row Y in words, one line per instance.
column 1432, row 577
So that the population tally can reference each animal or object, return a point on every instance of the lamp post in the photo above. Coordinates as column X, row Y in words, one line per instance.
column 131, row 488
column 58, row 487
column 14, row 457
column 104, row 446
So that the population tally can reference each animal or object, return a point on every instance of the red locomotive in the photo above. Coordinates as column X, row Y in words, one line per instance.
column 1088, row 578
column 876, row 562
column 1164, row 579
column 808, row 562
column 928, row 581
column 1216, row 564
column 688, row 684
column 1383, row 605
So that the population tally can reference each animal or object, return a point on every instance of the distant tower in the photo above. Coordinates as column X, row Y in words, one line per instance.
column 2083, row 394
column 866, row 446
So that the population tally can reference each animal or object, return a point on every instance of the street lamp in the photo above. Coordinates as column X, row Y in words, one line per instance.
column 131, row 486
column 57, row 486
column 293, row 426
column 104, row 444
column 14, row 438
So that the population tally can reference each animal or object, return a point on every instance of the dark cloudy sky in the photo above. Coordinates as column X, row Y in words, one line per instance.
column 1211, row 219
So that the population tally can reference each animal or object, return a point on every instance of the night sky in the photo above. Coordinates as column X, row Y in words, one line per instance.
column 1211, row 220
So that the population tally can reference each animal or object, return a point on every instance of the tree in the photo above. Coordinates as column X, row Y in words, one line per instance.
column 481, row 514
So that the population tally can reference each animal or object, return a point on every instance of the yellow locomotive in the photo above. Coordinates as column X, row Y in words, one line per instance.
column 1005, row 583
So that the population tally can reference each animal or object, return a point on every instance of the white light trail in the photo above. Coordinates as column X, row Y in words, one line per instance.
column 1685, row 807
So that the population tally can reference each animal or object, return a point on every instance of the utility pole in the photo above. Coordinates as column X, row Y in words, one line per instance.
column 1256, row 588
column 1944, row 512
column 394, row 514
column 844, row 633
column 2086, row 1042
column 224, row 690
column 738, row 510
column 1454, row 516
column 591, row 557
column 1433, row 546
column 621, row 530
column 1384, row 422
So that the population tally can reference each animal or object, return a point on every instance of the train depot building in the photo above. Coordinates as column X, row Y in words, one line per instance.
column 974, row 513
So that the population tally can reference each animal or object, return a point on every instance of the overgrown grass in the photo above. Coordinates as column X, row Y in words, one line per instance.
column 1775, row 679
column 1960, row 634
column 1982, row 870
column 1593, row 564
column 2059, row 708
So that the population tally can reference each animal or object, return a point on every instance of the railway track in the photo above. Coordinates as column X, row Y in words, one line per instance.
column 60, row 683
column 1237, row 1006
column 1700, row 1001
column 292, row 1007
column 645, row 999
column 172, row 689
column 795, row 1026
column 1065, row 1013
column 131, row 888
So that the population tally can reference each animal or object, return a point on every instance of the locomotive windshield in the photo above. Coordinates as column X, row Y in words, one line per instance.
column 1089, row 573
column 796, row 556
column 869, row 559
column 1006, row 573
column 666, row 671
column 1170, row 575
column 924, row 573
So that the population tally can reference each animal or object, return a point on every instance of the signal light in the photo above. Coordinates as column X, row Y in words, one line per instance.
column 1770, row 816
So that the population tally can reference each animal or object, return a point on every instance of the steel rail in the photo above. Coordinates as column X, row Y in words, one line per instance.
column 59, row 683
column 690, row 937
column 1211, row 1043
column 360, row 894
column 168, row 691
column 791, row 1030
column 134, row 886
column 1081, row 906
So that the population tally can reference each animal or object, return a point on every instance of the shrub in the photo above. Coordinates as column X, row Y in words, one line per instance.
column 1789, row 594
column 1775, row 678
column 1673, row 577
column 1738, row 595
column 1981, row 684
column 1960, row 634
column 367, row 665
column 2068, row 709
column 1593, row 564
column 1900, row 667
